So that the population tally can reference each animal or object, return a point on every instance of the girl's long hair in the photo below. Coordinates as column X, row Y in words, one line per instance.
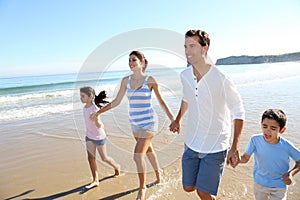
column 100, row 99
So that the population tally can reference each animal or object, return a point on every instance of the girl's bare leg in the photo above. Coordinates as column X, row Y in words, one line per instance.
column 91, row 151
column 108, row 160
column 140, row 150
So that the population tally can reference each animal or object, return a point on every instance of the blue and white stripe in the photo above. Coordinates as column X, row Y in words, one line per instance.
column 140, row 107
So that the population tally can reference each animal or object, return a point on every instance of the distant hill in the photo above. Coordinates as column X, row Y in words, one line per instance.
column 239, row 60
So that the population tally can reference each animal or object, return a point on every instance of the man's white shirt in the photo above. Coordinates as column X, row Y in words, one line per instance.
column 212, row 103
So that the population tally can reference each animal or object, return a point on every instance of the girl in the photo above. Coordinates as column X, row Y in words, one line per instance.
column 95, row 134
column 139, row 88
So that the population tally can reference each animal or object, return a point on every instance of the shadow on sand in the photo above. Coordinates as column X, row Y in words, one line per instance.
column 80, row 190
column 121, row 194
column 19, row 195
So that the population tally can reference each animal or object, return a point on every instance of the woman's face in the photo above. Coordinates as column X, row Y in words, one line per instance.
column 135, row 63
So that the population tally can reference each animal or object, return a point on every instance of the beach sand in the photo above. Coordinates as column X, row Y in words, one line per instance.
column 45, row 158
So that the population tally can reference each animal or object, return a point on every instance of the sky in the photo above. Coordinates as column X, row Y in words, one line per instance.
column 57, row 36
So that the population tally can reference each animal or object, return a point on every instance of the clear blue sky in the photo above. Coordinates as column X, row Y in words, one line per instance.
column 56, row 36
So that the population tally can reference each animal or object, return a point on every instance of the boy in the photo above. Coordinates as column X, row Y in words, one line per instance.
column 272, row 157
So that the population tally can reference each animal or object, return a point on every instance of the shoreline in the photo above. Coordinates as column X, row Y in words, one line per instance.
column 38, row 166
column 46, row 157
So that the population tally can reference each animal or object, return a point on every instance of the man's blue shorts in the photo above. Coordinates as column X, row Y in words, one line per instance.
column 203, row 170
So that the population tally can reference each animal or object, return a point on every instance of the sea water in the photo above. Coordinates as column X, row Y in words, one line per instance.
column 260, row 85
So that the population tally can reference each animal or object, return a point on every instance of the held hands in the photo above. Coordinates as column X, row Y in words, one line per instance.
column 233, row 157
column 174, row 126
column 94, row 116
column 287, row 178
column 98, row 123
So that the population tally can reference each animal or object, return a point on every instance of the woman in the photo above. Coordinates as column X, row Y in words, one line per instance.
column 139, row 87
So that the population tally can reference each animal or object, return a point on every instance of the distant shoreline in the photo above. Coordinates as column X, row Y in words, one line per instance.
column 240, row 60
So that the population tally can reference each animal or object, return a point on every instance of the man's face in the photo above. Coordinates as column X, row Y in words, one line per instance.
column 193, row 50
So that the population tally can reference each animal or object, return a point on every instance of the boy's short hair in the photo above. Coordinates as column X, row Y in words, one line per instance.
column 277, row 115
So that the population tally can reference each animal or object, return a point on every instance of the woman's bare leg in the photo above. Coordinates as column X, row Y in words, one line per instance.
column 154, row 163
column 140, row 150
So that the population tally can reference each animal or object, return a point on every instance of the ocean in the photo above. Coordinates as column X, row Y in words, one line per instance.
column 36, row 96
column 40, row 113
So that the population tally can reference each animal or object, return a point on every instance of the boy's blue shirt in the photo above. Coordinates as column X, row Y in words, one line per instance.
column 271, row 161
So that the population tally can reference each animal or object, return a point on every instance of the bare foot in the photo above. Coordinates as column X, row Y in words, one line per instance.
column 93, row 184
column 117, row 171
column 141, row 194
column 158, row 174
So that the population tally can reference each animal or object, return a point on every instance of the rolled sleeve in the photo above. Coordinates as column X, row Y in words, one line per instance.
column 184, row 89
column 234, row 100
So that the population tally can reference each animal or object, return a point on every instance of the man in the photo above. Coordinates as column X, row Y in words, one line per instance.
column 210, row 98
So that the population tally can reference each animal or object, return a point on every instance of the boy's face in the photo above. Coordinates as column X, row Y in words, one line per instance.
column 271, row 130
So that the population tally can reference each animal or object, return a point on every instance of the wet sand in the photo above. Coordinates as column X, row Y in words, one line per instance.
column 45, row 158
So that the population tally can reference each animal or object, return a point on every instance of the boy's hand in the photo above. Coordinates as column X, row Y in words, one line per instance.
column 287, row 178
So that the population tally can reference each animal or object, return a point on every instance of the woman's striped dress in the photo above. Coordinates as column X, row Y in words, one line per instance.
column 140, row 107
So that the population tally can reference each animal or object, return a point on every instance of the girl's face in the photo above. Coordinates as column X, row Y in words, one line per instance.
column 85, row 98
column 134, row 63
